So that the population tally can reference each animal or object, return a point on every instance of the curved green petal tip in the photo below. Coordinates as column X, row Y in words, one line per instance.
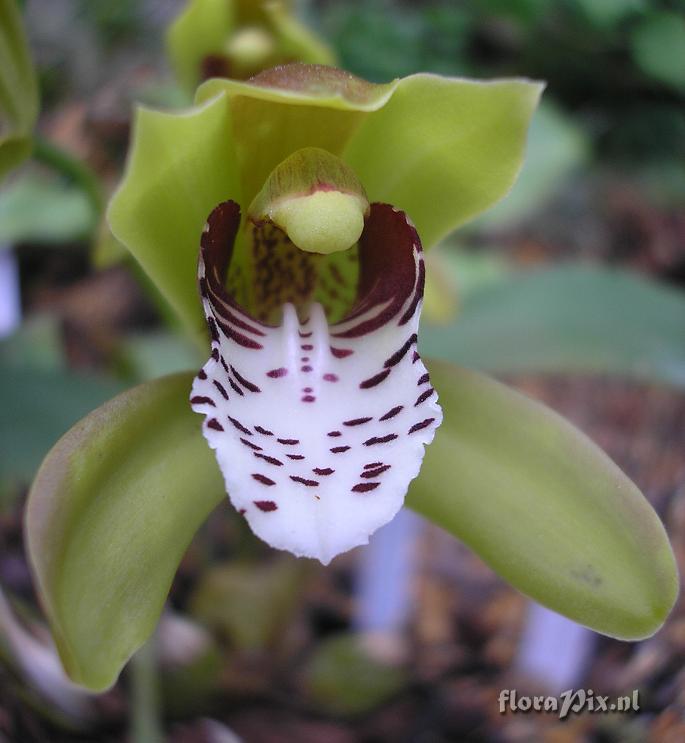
column 109, row 516
column 545, row 508
column 18, row 90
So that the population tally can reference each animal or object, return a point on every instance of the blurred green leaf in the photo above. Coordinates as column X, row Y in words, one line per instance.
column 149, row 355
column 658, row 47
column 36, row 209
column 36, row 345
column 544, row 507
column 569, row 319
column 606, row 14
column 110, row 513
column 344, row 678
column 249, row 603
column 38, row 406
column 18, row 90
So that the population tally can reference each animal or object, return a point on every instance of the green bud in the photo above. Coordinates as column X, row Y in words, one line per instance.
column 250, row 49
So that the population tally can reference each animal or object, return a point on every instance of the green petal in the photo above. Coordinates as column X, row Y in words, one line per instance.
column 568, row 319
column 444, row 149
column 545, row 508
column 181, row 166
column 199, row 30
column 289, row 108
column 18, row 91
column 109, row 516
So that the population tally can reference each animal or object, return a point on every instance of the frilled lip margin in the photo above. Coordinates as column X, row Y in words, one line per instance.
column 318, row 429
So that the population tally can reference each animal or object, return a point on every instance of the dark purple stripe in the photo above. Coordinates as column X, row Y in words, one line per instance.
column 423, row 424
column 373, row 381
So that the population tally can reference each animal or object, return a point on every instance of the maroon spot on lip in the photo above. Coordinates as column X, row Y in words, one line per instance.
column 391, row 413
column 376, row 472
column 357, row 421
column 364, row 487
column 306, row 369
column 373, row 465
column 400, row 354
column 251, row 445
column 423, row 424
column 339, row 449
column 341, row 353
column 304, row 335
column 245, row 382
column 262, row 478
column 240, row 426
column 240, row 339
column 304, row 481
column 201, row 400
column 235, row 387
column 295, row 456
column 307, row 347
column 330, row 377
column 267, row 458
column 334, row 433
column 308, row 398
column 304, row 359
column 380, row 439
column 423, row 379
column 265, row 505
column 263, row 431
column 306, row 389
column 416, row 357
column 242, row 511
column 202, row 374
column 373, row 381
column 288, row 442
column 276, row 373
column 322, row 471
column 221, row 389
column 214, row 423
column 424, row 396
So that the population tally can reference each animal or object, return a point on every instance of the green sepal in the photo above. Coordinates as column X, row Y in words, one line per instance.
column 199, row 30
column 18, row 89
column 180, row 167
column 109, row 516
column 545, row 508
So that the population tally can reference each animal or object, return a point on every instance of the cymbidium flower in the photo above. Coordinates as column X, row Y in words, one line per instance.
column 304, row 196
column 238, row 39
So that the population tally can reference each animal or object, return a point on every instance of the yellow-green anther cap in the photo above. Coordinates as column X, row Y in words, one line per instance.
column 316, row 199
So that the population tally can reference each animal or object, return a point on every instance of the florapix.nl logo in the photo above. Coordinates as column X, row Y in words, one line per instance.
column 571, row 701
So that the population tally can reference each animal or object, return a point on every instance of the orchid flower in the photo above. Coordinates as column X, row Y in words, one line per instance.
column 300, row 204
column 238, row 39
